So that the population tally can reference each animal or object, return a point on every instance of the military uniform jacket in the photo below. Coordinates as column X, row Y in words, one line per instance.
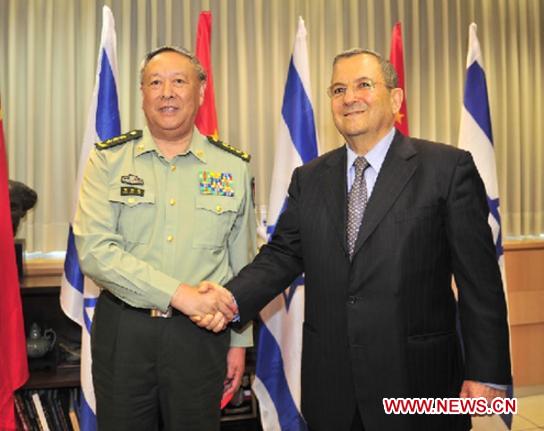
column 145, row 224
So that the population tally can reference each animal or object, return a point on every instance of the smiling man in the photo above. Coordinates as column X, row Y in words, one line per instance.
column 378, row 227
column 161, row 209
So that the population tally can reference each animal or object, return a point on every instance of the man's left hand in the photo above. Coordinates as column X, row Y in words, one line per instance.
column 236, row 362
column 472, row 389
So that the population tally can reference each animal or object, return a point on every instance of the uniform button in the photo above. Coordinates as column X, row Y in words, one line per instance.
column 172, row 168
column 352, row 300
column 131, row 200
column 200, row 153
column 218, row 209
column 172, row 201
column 169, row 238
column 140, row 147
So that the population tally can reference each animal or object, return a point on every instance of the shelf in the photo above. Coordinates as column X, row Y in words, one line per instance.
column 62, row 377
column 42, row 281
column 238, row 417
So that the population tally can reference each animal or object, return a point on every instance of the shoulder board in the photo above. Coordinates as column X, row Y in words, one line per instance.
column 118, row 140
column 230, row 149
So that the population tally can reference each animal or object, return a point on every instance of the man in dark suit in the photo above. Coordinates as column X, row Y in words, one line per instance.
column 380, row 313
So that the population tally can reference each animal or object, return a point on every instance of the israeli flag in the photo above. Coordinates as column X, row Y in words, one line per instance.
column 475, row 136
column 277, row 382
column 78, row 294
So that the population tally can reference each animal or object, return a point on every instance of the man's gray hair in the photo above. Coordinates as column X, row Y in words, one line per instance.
column 389, row 72
column 202, row 76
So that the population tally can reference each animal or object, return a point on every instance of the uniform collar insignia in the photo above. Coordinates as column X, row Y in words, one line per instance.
column 197, row 148
column 199, row 154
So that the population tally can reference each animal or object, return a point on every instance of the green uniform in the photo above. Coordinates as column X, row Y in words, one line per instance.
column 145, row 224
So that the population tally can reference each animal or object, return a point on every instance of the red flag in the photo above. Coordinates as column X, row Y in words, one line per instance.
column 13, row 362
column 397, row 60
column 206, row 119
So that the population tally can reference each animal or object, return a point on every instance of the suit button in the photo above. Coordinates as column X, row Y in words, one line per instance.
column 352, row 300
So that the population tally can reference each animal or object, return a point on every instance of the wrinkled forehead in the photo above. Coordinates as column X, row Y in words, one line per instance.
column 169, row 63
column 355, row 67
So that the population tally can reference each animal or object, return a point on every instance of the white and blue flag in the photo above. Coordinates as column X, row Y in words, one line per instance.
column 277, row 381
column 475, row 136
column 79, row 294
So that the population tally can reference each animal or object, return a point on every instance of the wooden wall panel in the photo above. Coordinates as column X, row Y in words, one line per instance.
column 524, row 262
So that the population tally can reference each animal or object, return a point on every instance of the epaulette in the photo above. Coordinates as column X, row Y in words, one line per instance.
column 118, row 140
column 230, row 149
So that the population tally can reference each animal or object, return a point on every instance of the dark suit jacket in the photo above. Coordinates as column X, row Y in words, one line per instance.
column 384, row 325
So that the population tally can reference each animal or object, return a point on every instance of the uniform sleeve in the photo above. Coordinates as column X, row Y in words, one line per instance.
column 242, row 248
column 101, row 249
column 482, row 307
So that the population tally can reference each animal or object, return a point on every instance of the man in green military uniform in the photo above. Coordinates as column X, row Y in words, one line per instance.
column 160, row 210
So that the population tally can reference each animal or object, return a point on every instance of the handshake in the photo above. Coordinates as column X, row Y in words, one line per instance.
column 209, row 305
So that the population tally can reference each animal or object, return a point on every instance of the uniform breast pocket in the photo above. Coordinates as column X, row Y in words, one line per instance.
column 214, row 219
column 136, row 215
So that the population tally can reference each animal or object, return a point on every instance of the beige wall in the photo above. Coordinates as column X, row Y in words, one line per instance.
column 48, row 52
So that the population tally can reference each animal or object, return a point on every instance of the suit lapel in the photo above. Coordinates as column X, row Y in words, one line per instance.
column 398, row 167
column 333, row 184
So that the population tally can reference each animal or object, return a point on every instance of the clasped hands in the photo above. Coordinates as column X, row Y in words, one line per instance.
column 209, row 305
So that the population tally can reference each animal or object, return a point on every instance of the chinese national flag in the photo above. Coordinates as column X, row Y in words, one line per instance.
column 13, row 362
column 206, row 119
column 397, row 60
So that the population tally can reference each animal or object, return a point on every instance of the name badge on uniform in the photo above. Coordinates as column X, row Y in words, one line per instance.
column 215, row 183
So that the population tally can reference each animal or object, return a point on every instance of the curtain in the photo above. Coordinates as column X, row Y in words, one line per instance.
column 48, row 52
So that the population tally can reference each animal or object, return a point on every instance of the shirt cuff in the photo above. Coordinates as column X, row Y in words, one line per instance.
column 495, row 386
column 236, row 317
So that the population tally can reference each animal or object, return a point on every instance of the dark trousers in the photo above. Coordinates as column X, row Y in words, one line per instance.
column 357, row 423
column 155, row 373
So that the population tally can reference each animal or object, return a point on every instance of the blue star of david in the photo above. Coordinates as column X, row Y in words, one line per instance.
column 290, row 291
column 494, row 210
column 88, row 303
column 299, row 281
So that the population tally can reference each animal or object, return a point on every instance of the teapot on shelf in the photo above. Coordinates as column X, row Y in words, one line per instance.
column 37, row 345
